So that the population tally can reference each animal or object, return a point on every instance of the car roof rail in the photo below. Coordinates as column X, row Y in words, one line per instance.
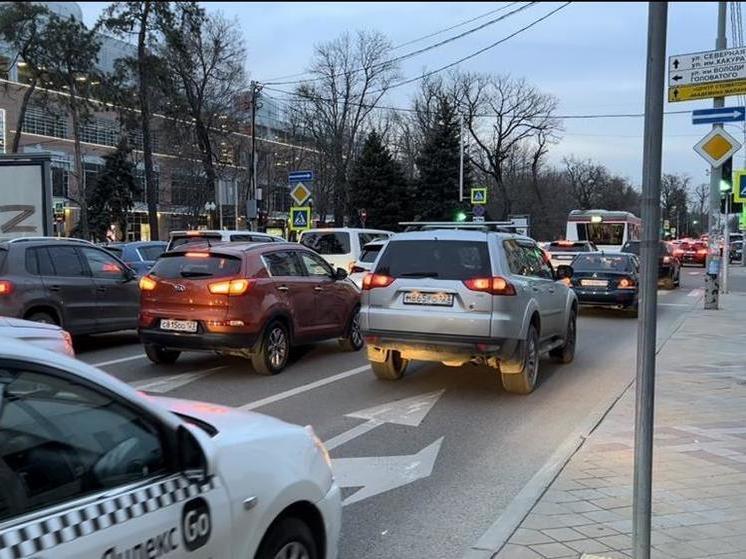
column 36, row 239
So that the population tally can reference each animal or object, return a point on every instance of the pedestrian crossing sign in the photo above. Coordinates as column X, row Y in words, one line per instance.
column 478, row 195
column 300, row 218
column 739, row 185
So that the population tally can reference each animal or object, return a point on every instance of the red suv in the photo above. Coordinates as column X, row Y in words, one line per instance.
column 252, row 300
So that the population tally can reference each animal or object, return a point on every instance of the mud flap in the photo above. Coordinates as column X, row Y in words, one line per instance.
column 513, row 361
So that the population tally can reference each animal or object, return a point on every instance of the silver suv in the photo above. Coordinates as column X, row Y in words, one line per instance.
column 462, row 297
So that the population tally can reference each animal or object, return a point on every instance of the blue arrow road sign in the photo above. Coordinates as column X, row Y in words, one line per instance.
column 722, row 114
column 300, row 176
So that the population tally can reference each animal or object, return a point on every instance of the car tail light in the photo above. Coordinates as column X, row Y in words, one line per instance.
column 229, row 287
column 666, row 259
column 678, row 252
column 147, row 283
column 197, row 254
column 495, row 285
column 371, row 281
column 6, row 287
column 626, row 283
column 702, row 251
column 67, row 341
column 356, row 270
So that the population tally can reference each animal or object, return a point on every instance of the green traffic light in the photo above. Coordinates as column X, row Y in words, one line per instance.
column 461, row 216
column 724, row 186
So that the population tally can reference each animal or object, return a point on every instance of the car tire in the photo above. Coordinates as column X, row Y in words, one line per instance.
column 353, row 341
column 43, row 317
column 525, row 381
column 392, row 368
column 273, row 353
column 288, row 537
column 566, row 353
column 160, row 355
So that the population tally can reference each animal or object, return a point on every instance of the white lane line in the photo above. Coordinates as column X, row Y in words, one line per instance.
column 696, row 292
column 116, row 361
column 161, row 385
column 303, row 388
column 673, row 305
column 694, row 273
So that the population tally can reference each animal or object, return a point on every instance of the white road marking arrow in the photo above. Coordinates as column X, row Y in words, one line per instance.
column 409, row 411
column 378, row 474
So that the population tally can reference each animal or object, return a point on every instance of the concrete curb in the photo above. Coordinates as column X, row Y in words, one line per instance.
column 497, row 535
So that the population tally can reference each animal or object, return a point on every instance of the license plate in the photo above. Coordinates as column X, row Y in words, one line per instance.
column 436, row 299
column 179, row 325
column 594, row 283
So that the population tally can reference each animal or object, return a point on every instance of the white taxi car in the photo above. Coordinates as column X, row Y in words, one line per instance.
column 90, row 468
column 47, row 336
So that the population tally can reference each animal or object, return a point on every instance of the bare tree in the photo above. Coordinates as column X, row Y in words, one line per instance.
column 586, row 179
column 205, row 55
column 701, row 196
column 519, row 115
column 350, row 75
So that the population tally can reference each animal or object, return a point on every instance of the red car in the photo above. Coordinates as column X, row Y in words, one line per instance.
column 254, row 300
column 692, row 252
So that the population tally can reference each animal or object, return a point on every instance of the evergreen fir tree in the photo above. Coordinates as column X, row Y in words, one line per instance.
column 378, row 185
column 111, row 197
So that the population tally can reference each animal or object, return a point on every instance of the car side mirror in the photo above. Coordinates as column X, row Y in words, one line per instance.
column 194, row 451
column 129, row 274
column 340, row 274
column 563, row 271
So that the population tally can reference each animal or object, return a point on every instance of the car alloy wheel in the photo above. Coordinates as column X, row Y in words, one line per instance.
column 532, row 360
column 355, row 333
column 293, row 550
column 277, row 347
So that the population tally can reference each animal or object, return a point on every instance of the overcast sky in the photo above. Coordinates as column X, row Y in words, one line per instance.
column 590, row 55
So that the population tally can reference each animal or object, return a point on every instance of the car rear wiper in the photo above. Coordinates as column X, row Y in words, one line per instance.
column 419, row 275
column 196, row 274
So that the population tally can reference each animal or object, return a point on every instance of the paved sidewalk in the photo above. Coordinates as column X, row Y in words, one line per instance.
column 699, row 485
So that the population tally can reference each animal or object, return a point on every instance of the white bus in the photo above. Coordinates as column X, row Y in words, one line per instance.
column 607, row 230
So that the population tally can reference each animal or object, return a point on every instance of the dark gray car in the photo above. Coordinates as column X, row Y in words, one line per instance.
column 68, row 282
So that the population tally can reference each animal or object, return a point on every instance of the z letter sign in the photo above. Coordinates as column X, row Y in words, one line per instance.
column 15, row 223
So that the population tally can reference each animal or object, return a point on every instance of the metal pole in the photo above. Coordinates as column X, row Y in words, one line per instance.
column 252, row 186
column 461, row 163
column 235, row 197
column 712, row 287
column 726, row 244
column 646, row 325
column 220, row 202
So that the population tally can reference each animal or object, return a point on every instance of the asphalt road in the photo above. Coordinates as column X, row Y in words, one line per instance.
column 435, row 472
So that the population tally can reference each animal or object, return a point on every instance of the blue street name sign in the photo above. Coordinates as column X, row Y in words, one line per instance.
column 722, row 114
column 300, row 176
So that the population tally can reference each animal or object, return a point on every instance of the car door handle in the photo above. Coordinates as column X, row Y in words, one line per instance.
column 55, row 288
column 551, row 290
column 317, row 288
column 283, row 288
column 101, row 289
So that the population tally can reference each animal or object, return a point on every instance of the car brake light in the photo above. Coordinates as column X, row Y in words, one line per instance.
column 495, row 285
column 678, row 252
column 666, row 259
column 626, row 283
column 371, row 281
column 147, row 283
column 197, row 254
column 6, row 287
column 229, row 287
column 702, row 251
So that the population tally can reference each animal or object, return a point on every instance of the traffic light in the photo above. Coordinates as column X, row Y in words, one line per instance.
column 461, row 215
column 735, row 207
column 726, row 175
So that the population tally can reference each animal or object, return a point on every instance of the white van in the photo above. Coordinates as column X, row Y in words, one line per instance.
column 179, row 238
column 341, row 247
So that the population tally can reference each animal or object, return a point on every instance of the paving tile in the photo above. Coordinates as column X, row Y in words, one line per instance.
column 588, row 546
column 715, row 546
column 551, row 508
column 603, row 516
column 596, row 531
column 510, row 551
column 587, row 494
column 525, row 536
column 620, row 541
column 680, row 550
column 563, row 534
column 553, row 550
column 580, row 506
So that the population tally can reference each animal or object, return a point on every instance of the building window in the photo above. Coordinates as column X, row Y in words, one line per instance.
column 135, row 139
column 38, row 121
column 92, row 170
column 60, row 179
column 188, row 190
column 101, row 131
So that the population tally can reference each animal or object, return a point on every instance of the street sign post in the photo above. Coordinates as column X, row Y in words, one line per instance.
column 300, row 176
column 299, row 193
column 717, row 146
column 723, row 114
column 478, row 196
column 300, row 218
column 702, row 75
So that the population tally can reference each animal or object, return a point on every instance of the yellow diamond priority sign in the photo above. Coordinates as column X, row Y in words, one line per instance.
column 717, row 146
column 300, row 193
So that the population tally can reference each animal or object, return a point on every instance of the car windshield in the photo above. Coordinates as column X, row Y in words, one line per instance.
column 151, row 252
column 569, row 247
column 602, row 263
column 602, row 233
column 180, row 240
column 188, row 266
column 332, row 242
column 369, row 253
column 446, row 260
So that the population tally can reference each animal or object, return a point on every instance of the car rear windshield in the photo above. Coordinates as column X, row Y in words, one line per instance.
column 333, row 242
column 633, row 247
column 447, row 260
column 369, row 253
column 184, row 266
column 151, row 252
column 602, row 263
column 569, row 247
column 180, row 240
